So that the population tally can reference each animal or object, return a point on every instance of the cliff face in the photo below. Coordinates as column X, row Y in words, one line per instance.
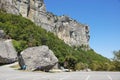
column 9, row 6
column 67, row 29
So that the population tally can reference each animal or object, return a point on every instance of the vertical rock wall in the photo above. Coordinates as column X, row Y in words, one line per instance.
column 67, row 29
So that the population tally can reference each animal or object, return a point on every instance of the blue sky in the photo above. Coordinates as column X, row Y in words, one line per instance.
column 103, row 17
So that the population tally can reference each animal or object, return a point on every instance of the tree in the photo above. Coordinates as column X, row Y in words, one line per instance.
column 81, row 66
column 70, row 62
column 95, row 66
column 116, row 60
column 116, row 56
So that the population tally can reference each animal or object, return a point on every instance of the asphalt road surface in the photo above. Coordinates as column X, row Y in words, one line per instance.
column 7, row 73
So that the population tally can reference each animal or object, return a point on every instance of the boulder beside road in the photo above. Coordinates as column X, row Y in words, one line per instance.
column 37, row 58
column 8, row 53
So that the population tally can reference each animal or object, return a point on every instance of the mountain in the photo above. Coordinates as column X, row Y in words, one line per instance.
column 67, row 29
column 26, row 34
column 51, row 30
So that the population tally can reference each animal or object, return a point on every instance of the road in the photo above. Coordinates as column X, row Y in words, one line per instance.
column 7, row 73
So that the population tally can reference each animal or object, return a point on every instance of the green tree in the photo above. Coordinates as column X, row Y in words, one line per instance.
column 116, row 55
column 70, row 62
column 81, row 66
column 19, row 45
column 116, row 60
column 106, row 66
column 95, row 65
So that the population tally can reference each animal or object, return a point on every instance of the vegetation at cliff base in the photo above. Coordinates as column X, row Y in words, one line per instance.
column 116, row 60
column 26, row 34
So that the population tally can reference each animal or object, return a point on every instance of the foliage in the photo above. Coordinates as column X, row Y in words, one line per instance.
column 116, row 60
column 81, row 66
column 70, row 62
column 116, row 55
column 26, row 34
column 19, row 45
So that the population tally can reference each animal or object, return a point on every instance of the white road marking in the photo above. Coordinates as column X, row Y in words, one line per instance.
column 64, row 77
column 87, row 77
column 109, row 77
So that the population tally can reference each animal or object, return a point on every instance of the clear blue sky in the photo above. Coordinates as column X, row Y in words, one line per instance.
column 103, row 17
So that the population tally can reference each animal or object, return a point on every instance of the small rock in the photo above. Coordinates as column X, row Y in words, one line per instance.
column 2, row 34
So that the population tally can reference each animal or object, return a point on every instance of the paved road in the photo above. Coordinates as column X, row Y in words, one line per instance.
column 7, row 73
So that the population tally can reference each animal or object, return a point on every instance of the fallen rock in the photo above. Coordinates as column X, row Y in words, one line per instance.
column 8, row 53
column 37, row 58
column 2, row 34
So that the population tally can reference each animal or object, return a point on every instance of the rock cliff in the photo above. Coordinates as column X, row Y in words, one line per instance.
column 9, row 6
column 66, row 28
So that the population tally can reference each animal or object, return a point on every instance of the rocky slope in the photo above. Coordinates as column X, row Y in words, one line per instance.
column 67, row 29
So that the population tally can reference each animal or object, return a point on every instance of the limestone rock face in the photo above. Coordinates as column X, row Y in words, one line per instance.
column 9, row 6
column 41, row 58
column 30, row 8
column 67, row 29
column 8, row 53
column 72, row 32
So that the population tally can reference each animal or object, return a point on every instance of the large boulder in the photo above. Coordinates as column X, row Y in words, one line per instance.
column 8, row 53
column 37, row 58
